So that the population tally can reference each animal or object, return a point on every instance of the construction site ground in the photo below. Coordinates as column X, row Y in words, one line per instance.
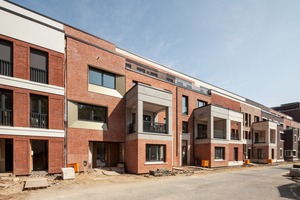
column 13, row 187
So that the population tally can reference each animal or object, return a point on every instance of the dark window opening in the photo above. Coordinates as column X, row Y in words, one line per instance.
column 201, row 103
column 184, row 105
column 38, row 66
column 92, row 113
column 185, row 127
column 6, row 108
column 38, row 111
column 155, row 153
column 6, row 67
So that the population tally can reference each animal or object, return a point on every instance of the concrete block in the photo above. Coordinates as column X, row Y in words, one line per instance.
column 294, row 172
column 68, row 173
column 32, row 183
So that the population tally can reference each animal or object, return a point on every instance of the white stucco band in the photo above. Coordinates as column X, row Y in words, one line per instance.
column 41, row 31
column 7, row 130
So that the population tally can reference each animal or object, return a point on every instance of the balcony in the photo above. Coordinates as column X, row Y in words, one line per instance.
column 154, row 127
column 149, row 110
column 6, row 117
column 5, row 68
column 219, row 134
column 235, row 136
column 38, row 120
column 38, row 75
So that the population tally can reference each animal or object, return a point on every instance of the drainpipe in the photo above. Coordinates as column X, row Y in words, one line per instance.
column 176, row 121
column 65, row 106
column 193, row 138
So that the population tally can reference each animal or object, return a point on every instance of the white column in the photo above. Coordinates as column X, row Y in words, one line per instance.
column 139, row 116
column 228, row 129
column 210, row 127
column 169, row 119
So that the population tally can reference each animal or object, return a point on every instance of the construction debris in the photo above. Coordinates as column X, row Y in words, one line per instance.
column 68, row 173
column 35, row 183
column 110, row 173
column 161, row 172
column 295, row 172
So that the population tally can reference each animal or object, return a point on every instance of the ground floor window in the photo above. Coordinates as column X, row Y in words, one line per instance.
column 220, row 153
column 155, row 152
column 280, row 152
column 290, row 153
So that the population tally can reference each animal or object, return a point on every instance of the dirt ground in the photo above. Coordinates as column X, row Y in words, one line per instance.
column 15, row 189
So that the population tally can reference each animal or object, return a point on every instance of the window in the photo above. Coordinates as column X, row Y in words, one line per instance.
column 202, row 131
column 220, row 153
column 6, row 108
column 92, row 113
column 246, row 119
column 280, row 152
column 141, row 70
column 38, row 111
column 201, row 103
column 127, row 65
column 260, row 154
column 256, row 118
column 155, row 153
column 5, row 58
column 153, row 74
column 185, row 127
column 134, row 83
column 281, row 135
column 170, row 80
column 101, row 78
column 184, row 105
column 189, row 86
column 179, row 83
column 38, row 66
column 295, row 138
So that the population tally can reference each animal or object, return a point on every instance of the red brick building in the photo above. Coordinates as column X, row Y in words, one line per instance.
column 31, row 92
column 71, row 97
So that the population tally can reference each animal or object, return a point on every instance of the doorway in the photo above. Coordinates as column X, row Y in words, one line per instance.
column 6, row 155
column 105, row 154
column 273, row 154
column 236, row 153
column 184, row 152
column 249, row 153
column 39, row 153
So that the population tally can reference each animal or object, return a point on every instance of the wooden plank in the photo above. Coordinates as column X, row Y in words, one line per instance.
column 36, row 183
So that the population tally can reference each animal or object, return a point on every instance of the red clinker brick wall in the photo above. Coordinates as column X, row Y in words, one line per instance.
column 131, row 155
column 214, row 163
column 240, row 152
column 22, row 153
column 202, row 152
column 21, row 107
column 21, row 61
column 225, row 102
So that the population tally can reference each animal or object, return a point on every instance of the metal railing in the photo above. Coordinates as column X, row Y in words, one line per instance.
column 219, row 134
column 38, row 120
column 235, row 136
column 6, row 68
column 154, row 127
column 259, row 140
column 38, row 75
column 6, row 117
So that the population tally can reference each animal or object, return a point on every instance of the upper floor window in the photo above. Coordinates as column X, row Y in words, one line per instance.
column 153, row 74
column 140, row 70
column 102, row 78
column 184, row 105
column 38, row 66
column 202, row 131
column 185, row 127
column 92, row 113
column 6, row 108
column 127, row 65
column 201, row 103
column 256, row 118
column 6, row 58
column 38, row 111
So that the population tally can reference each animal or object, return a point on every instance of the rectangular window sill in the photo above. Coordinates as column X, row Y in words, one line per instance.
column 219, row 160
column 155, row 163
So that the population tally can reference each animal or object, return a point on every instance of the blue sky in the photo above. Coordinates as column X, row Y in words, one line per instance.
column 249, row 47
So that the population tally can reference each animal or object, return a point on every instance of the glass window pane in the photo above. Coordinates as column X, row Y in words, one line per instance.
column 44, row 105
column 5, row 50
column 99, row 114
column 34, row 105
column 95, row 77
column 109, row 80
column 84, row 112
column 38, row 59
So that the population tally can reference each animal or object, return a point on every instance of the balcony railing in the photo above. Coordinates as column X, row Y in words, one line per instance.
column 154, row 127
column 38, row 75
column 235, row 136
column 5, row 68
column 6, row 117
column 257, row 141
column 38, row 120
column 219, row 134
